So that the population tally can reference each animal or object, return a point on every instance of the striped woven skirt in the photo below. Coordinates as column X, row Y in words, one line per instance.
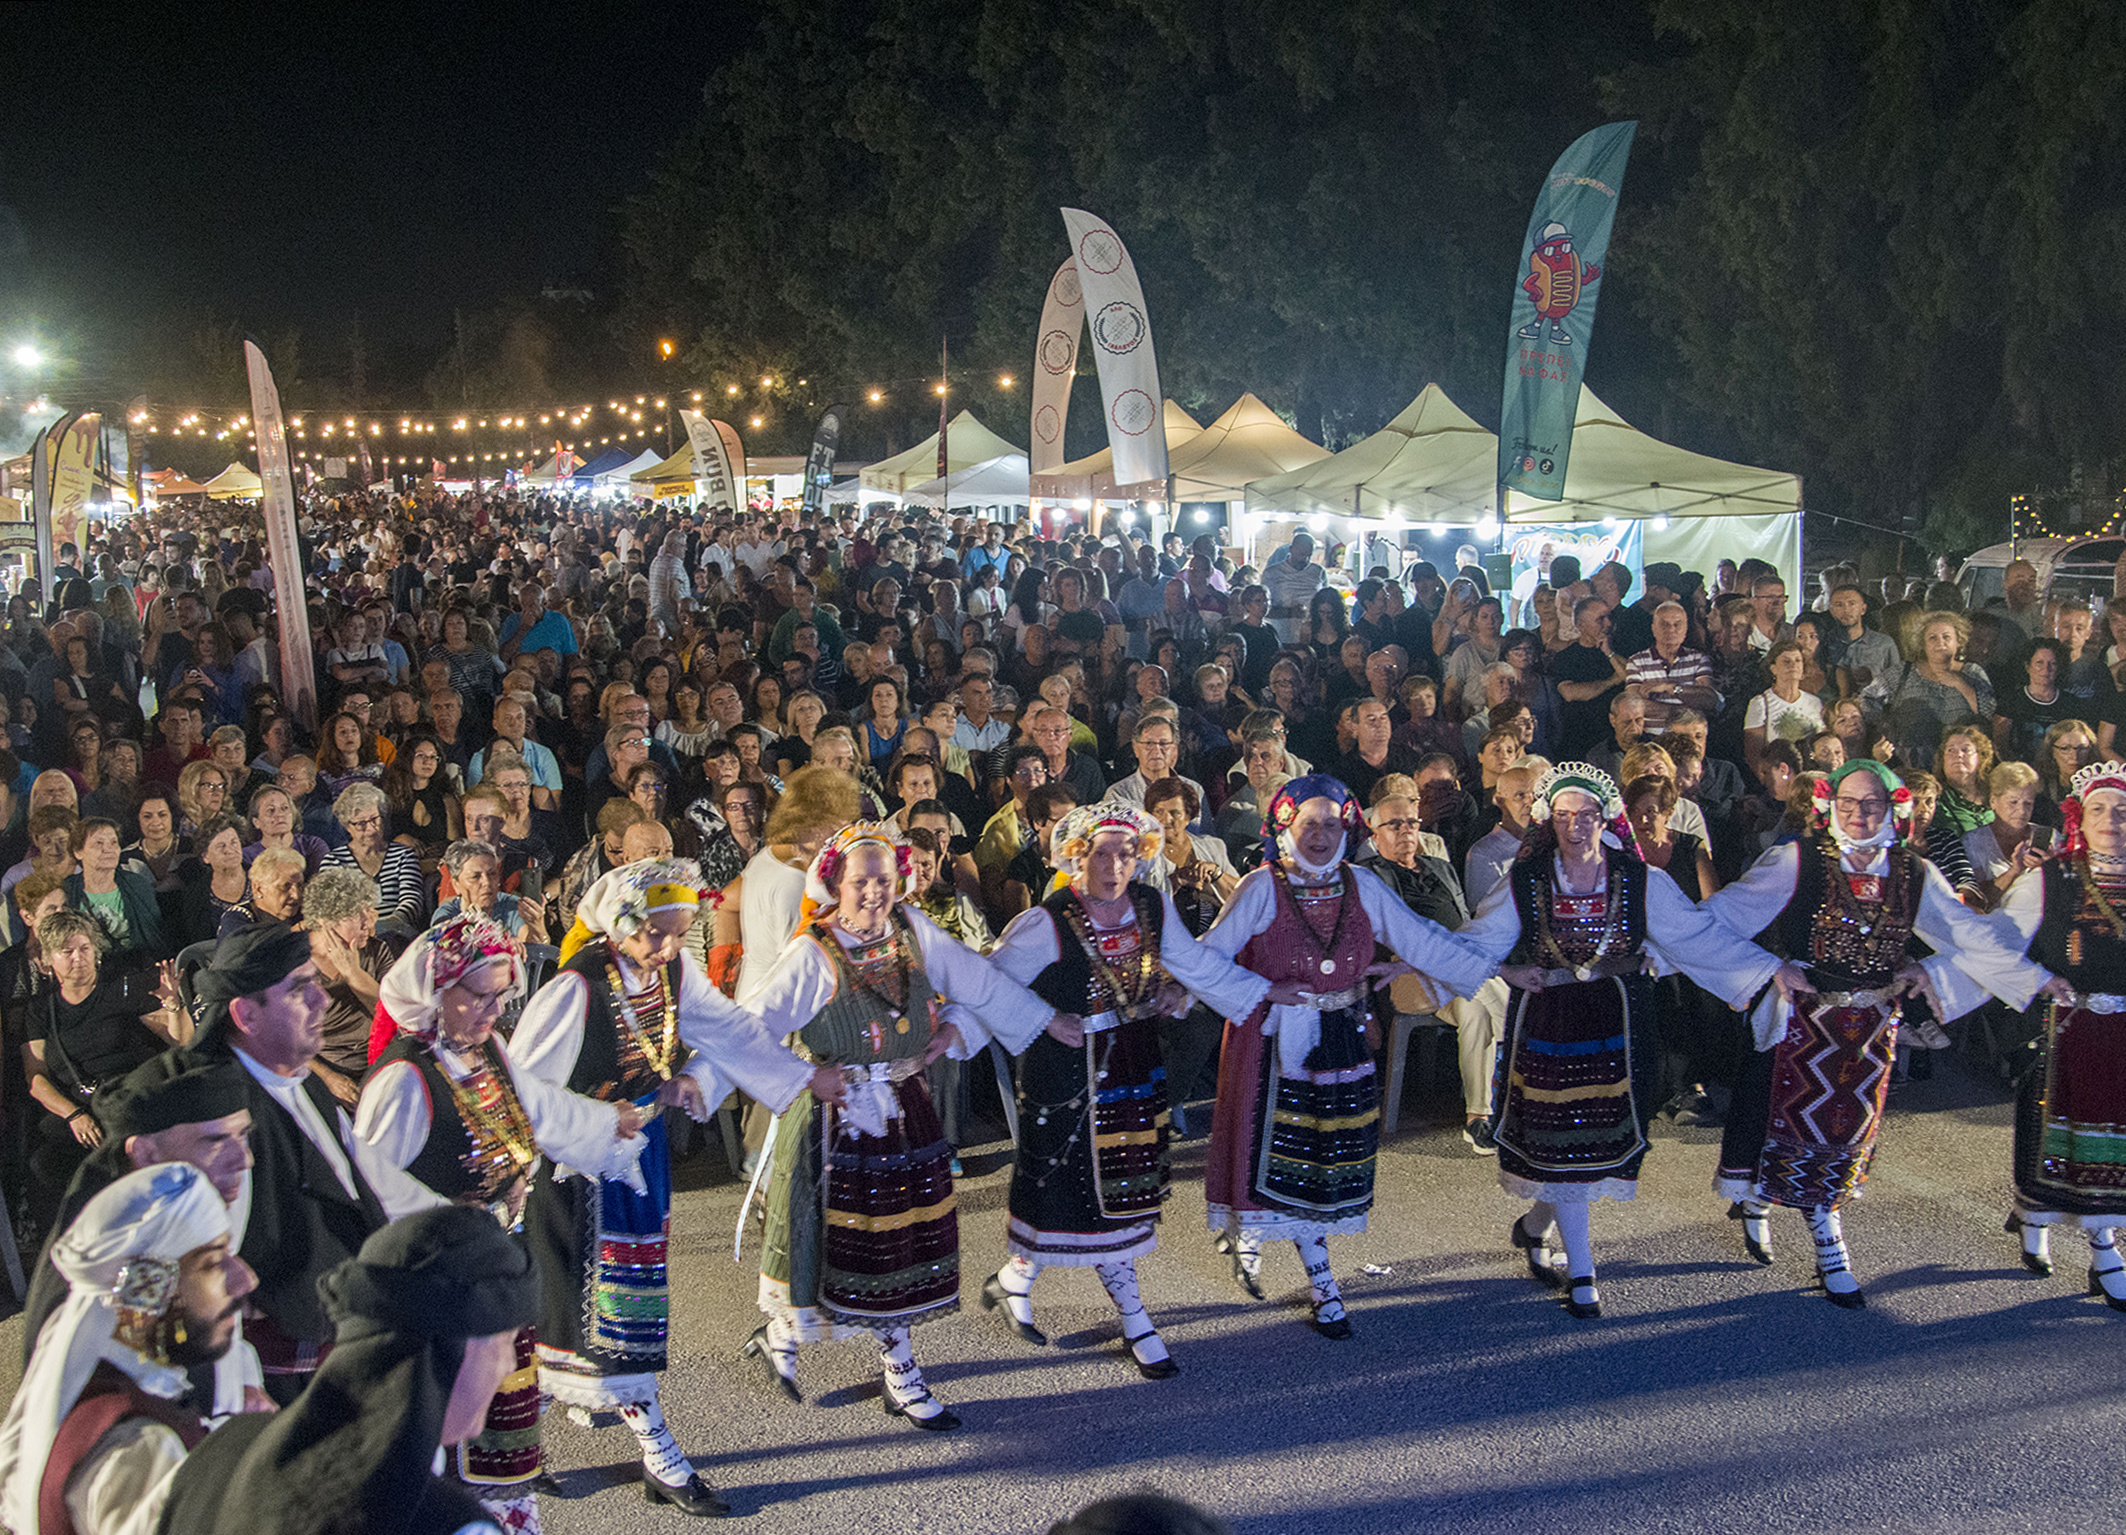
column 1571, row 1091
column 606, row 1309
column 2070, row 1120
column 1801, row 1131
column 1295, row 1157
column 863, row 1231
column 1093, row 1164
column 496, row 1463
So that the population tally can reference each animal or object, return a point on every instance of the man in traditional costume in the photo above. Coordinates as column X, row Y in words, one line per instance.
column 101, row 1421
column 1092, row 1165
column 863, row 1236
column 2070, row 1105
column 1296, row 1130
column 174, row 1108
column 444, row 1119
column 427, row 1318
column 1845, row 903
column 632, row 1018
column 1574, row 928
column 311, row 1208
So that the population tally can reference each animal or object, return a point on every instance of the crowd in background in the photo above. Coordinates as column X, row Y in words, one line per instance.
column 509, row 686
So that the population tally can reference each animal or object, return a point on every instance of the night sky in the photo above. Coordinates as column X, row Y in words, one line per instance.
column 298, row 166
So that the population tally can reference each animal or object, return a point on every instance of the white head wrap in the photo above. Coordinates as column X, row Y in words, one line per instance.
column 617, row 904
column 122, row 1249
column 411, row 992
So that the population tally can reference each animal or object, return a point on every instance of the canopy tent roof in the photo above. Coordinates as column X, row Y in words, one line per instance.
column 1000, row 480
column 1432, row 463
column 1094, row 474
column 611, row 458
column 622, row 472
column 235, row 483
column 170, row 482
column 676, row 471
column 967, row 442
column 1249, row 442
column 1616, row 470
column 549, row 471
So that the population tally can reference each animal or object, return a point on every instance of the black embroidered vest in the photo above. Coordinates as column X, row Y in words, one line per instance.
column 610, row 1066
column 1070, row 984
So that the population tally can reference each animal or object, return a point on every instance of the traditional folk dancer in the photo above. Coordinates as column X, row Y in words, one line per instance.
column 1573, row 928
column 444, row 1119
column 1845, row 904
column 631, row 1018
column 2070, row 1109
column 863, row 1231
column 1092, row 1165
column 99, row 1425
column 1296, row 1130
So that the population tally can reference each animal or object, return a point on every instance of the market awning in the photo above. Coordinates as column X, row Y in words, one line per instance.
column 1432, row 463
column 235, row 483
column 967, row 442
column 1002, row 480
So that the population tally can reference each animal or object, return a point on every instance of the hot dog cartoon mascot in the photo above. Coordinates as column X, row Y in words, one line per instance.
column 1556, row 279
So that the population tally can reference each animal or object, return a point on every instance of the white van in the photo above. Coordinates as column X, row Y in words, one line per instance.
column 2076, row 569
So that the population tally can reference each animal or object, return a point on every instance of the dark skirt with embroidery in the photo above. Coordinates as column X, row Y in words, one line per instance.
column 863, row 1231
column 2070, row 1119
column 1305, row 1156
column 1806, row 1113
column 606, row 1305
column 498, row 1462
column 1093, row 1161
column 1573, row 1090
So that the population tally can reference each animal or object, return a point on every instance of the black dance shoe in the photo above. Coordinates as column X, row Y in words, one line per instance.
column 1241, row 1276
column 2039, row 1263
column 1338, row 1330
column 757, row 1347
column 994, row 1298
column 1584, row 1310
column 1849, row 1300
column 943, row 1421
column 1758, row 1248
column 692, row 1496
column 2096, row 1286
column 1150, row 1369
column 1540, row 1268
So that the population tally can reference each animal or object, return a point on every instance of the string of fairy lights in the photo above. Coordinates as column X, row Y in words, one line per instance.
column 2026, row 519
column 497, row 437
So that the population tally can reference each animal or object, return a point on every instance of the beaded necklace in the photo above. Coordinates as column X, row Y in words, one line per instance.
column 1130, row 988
column 661, row 1057
column 1324, row 949
column 1612, row 926
column 500, row 1125
column 2095, row 892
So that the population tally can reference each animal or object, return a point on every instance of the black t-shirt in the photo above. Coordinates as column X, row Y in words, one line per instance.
column 1084, row 626
column 2029, row 719
column 1359, row 776
column 1582, row 725
column 101, row 1039
column 1631, row 630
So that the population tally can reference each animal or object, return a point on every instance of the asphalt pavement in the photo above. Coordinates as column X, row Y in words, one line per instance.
column 1713, row 1395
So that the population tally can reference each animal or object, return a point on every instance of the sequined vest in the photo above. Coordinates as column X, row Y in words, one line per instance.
column 1071, row 984
column 1296, row 947
column 610, row 1065
column 1848, row 944
column 860, row 1025
column 1577, row 924
column 2076, row 939
column 456, row 1161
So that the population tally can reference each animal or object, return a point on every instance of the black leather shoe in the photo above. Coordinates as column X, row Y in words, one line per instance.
column 1852, row 1300
column 1340, row 1329
column 1156, row 1369
column 692, row 1496
column 994, row 1296
column 1584, row 1310
column 1246, row 1281
column 756, row 1347
column 2038, row 1263
column 943, row 1421
column 1761, row 1251
column 2096, row 1287
column 1539, row 1268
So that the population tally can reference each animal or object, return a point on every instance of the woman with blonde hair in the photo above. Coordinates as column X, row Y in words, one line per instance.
column 1938, row 689
column 1963, row 763
column 202, row 794
column 2002, row 850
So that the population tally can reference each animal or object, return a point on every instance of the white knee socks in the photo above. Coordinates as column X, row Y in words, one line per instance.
column 1120, row 1277
column 1832, row 1261
column 1328, row 1299
column 904, row 1378
column 660, row 1451
column 1579, row 1248
column 1016, row 1278
column 1250, row 1250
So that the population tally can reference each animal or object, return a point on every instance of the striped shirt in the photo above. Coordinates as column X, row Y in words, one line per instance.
column 1646, row 671
column 399, row 879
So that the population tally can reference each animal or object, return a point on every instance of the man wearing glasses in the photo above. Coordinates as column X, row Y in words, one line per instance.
column 1846, row 904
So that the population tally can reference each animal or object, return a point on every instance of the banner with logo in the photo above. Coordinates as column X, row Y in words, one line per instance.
column 716, row 470
column 1554, row 302
column 819, row 462
column 62, row 479
column 1532, row 548
column 1055, row 365
column 283, row 549
column 1122, row 347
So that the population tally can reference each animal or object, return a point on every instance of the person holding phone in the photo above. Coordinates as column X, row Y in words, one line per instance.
column 2009, row 845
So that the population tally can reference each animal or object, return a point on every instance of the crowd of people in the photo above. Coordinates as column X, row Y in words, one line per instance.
column 811, row 813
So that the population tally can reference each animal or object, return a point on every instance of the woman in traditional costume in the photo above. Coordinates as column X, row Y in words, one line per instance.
column 2072, row 1099
column 1092, row 1163
column 444, row 1119
column 631, row 1018
column 863, row 1234
column 1845, row 904
column 1575, row 928
column 1296, row 1129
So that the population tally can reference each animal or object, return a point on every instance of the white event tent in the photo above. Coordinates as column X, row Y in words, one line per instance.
column 967, row 443
column 235, row 483
column 1432, row 463
column 1094, row 474
column 1249, row 442
column 1000, row 481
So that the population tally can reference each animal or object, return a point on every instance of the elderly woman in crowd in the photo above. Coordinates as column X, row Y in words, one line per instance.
column 274, row 819
column 395, row 867
column 476, row 874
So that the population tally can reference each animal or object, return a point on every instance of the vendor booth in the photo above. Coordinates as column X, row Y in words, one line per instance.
column 967, row 443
